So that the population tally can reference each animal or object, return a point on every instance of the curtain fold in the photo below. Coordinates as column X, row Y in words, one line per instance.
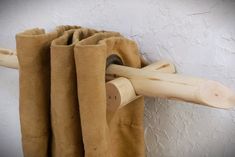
column 63, row 99
column 33, row 51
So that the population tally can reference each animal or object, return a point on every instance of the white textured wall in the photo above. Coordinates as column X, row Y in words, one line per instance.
column 197, row 35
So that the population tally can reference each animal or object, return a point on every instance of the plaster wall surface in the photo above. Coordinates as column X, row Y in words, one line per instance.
column 198, row 36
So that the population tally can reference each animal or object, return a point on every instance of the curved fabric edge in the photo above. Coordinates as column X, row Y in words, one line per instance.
column 101, row 139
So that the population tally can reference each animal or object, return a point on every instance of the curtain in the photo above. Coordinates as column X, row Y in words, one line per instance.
column 63, row 99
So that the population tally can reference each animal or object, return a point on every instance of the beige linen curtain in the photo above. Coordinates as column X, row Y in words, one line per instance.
column 63, row 99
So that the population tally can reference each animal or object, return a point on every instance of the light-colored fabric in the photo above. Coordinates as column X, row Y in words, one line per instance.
column 63, row 98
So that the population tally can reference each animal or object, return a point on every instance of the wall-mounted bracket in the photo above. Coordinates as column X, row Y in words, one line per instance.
column 153, row 83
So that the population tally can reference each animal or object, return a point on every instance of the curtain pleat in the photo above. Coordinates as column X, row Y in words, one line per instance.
column 63, row 99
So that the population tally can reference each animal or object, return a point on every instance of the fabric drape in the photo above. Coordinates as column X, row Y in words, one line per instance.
column 63, row 99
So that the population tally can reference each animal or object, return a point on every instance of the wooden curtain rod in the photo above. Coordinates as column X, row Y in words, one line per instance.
column 8, row 58
column 120, row 91
column 173, row 86
column 155, row 80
